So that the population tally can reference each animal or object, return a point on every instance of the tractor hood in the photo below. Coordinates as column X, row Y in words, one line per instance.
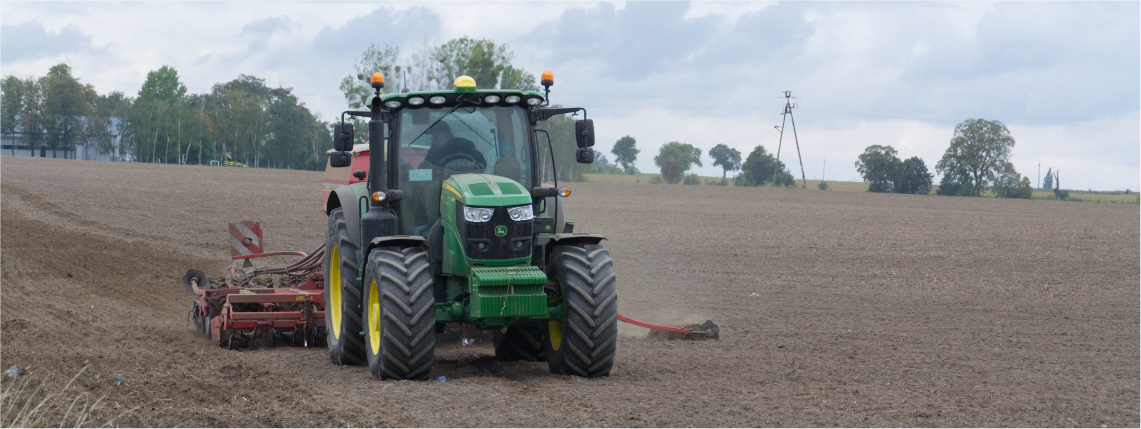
column 486, row 190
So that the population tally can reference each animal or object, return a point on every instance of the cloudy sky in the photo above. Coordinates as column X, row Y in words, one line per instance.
column 1065, row 77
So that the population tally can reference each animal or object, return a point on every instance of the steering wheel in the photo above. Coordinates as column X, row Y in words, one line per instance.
column 461, row 161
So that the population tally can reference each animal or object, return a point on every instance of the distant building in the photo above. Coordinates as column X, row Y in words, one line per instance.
column 10, row 144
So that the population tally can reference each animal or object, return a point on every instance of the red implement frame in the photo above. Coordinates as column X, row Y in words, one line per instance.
column 236, row 307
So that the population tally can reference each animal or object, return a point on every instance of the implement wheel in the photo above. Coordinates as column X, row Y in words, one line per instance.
column 400, row 317
column 521, row 342
column 342, row 293
column 584, row 342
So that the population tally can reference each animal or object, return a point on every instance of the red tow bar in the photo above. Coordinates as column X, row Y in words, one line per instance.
column 707, row 329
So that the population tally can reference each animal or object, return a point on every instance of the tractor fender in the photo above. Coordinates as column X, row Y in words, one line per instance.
column 402, row 241
column 349, row 202
column 547, row 243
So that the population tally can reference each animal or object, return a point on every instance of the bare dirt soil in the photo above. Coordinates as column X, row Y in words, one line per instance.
column 836, row 308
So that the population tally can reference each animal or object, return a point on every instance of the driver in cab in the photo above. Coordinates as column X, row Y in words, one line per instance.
column 451, row 152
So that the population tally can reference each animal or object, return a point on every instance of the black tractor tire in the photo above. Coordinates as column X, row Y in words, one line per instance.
column 342, row 293
column 521, row 342
column 400, row 314
column 585, row 341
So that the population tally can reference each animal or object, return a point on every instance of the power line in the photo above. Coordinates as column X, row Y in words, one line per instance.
column 788, row 106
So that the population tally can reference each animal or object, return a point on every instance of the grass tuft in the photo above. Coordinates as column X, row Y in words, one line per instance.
column 27, row 403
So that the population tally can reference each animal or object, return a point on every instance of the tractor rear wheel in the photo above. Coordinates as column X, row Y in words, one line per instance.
column 342, row 293
column 584, row 342
column 520, row 342
column 400, row 314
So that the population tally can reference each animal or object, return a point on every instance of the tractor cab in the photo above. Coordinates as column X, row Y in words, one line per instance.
column 437, row 143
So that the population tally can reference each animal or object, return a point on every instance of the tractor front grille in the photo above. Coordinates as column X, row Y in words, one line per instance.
column 481, row 242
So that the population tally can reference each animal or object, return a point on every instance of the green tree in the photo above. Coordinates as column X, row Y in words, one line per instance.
column 164, row 85
column 64, row 106
column 157, row 117
column 433, row 67
column 482, row 59
column 912, row 177
column 625, row 152
column 727, row 158
column 12, row 91
column 759, row 168
column 956, row 181
column 33, row 117
column 517, row 78
column 357, row 86
column 878, row 165
column 1048, row 181
column 980, row 149
column 98, row 126
column 675, row 159
column 1010, row 184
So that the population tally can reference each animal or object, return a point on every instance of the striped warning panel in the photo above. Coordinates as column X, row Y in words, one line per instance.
column 245, row 239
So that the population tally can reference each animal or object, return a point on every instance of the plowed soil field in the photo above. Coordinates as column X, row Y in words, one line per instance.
column 836, row 309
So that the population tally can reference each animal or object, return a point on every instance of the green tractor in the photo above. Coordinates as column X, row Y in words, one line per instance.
column 441, row 218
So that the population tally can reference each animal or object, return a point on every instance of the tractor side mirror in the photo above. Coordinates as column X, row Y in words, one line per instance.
column 584, row 132
column 584, row 155
column 340, row 159
column 343, row 137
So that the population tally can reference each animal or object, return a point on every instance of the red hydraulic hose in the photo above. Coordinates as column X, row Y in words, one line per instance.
column 653, row 326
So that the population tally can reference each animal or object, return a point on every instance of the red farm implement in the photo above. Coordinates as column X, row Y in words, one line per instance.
column 260, row 306
column 254, row 305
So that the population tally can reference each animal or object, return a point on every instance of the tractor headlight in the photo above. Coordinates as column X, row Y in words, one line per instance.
column 478, row 214
column 439, row 99
column 491, row 99
column 534, row 101
column 521, row 213
column 392, row 104
column 512, row 99
column 416, row 101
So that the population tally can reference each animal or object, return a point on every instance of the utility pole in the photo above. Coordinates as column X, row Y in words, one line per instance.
column 788, row 106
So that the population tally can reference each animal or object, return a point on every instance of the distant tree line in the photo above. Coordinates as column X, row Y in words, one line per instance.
column 885, row 172
column 238, row 121
column 977, row 159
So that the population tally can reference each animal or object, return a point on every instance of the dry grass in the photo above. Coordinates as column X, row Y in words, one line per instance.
column 1115, row 197
column 27, row 403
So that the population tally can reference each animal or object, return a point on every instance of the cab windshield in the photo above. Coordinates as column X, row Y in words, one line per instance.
column 438, row 142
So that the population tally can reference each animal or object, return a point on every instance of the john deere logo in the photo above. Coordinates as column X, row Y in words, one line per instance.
column 501, row 231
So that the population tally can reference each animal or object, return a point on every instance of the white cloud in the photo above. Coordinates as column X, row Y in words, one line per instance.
column 703, row 73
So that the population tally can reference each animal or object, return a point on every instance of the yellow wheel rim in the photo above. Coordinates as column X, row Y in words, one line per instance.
column 334, row 304
column 555, row 327
column 556, row 334
column 373, row 318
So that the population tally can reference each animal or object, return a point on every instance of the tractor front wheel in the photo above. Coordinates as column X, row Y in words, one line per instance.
column 342, row 293
column 584, row 342
column 400, row 314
